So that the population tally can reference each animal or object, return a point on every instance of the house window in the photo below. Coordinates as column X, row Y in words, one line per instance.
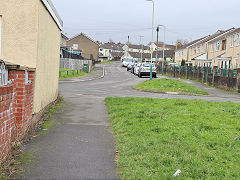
column 212, row 49
column 75, row 46
column 238, row 40
column 218, row 46
column 232, row 41
column 179, row 53
column 195, row 50
column 198, row 48
column 224, row 45
column 182, row 52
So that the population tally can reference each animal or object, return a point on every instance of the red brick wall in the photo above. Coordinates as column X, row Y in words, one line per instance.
column 7, row 120
column 16, row 106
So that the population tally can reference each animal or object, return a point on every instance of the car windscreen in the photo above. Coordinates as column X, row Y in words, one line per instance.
column 127, row 60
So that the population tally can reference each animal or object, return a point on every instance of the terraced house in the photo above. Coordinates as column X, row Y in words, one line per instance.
column 219, row 49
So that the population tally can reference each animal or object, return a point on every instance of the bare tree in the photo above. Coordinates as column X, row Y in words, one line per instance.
column 181, row 42
column 111, row 41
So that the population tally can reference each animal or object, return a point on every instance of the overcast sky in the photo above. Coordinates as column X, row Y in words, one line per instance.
column 116, row 19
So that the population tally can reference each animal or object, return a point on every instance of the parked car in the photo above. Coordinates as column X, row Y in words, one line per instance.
column 133, row 68
column 173, row 64
column 126, row 61
column 129, row 66
column 136, row 68
column 144, row 70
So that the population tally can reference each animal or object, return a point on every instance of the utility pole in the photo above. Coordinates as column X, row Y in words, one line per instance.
column 152, row 38
column 164, row 27
column 128, row 39
column 157, row 42
column 141, row 47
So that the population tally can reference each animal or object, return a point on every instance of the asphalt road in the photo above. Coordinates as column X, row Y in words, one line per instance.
column 82, row 145
column 119, row 82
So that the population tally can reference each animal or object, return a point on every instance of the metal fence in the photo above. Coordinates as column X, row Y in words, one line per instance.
column 75, row 64
column 224, row 78
column 3, row 74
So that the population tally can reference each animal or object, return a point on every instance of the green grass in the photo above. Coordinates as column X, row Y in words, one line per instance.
column 156, row 137
column 169, row 85
column 70, row 74
column 104, row 62
column 25, row 158
column 50, row 122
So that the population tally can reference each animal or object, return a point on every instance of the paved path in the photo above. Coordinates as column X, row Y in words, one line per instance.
column 82, row 146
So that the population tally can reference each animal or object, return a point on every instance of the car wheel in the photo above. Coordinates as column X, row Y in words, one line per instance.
column 140, row 75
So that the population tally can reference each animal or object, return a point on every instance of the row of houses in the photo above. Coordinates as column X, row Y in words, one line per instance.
column 112, row 51
column 115, row 51
column 221, row 49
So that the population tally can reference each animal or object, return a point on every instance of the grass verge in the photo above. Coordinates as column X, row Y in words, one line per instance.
column 104, row 62
column 70, row 73
column 169, row 85
column 156, row 137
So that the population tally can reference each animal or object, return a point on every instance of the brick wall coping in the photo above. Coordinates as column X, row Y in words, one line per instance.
column 13, row 66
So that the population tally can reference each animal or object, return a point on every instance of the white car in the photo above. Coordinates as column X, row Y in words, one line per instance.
column 144, row 70
column 136, row 68
column 125, row 62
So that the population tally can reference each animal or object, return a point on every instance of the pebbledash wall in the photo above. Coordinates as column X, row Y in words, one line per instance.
column 16, row 107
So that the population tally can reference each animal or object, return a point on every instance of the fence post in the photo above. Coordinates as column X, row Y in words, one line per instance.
column 214, row 74
column 238, row 80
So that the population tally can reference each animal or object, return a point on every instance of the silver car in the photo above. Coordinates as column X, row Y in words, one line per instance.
column 144, row 70
column 136, row 68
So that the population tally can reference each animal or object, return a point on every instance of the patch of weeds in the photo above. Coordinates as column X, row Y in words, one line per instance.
column 2, row 177
column 49, row 121
column 25, row 159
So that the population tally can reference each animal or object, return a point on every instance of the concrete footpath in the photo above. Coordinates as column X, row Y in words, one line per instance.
column 80, row 147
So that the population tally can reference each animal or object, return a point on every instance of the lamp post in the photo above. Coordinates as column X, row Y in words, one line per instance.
column 152, row 39
column 141, row 47
column 164, row 27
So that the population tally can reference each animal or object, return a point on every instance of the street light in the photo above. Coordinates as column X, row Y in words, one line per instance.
column 152, row 39
column 141, row 47
column 164, row 27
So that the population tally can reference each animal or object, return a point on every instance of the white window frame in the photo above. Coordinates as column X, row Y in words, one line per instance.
column 238, row 39
column 195, row 50
column 179, row 53
column 75, row 46
column 218, row 45
column 232, row 41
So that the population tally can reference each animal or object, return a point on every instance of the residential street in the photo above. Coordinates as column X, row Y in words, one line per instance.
column 82, row 146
